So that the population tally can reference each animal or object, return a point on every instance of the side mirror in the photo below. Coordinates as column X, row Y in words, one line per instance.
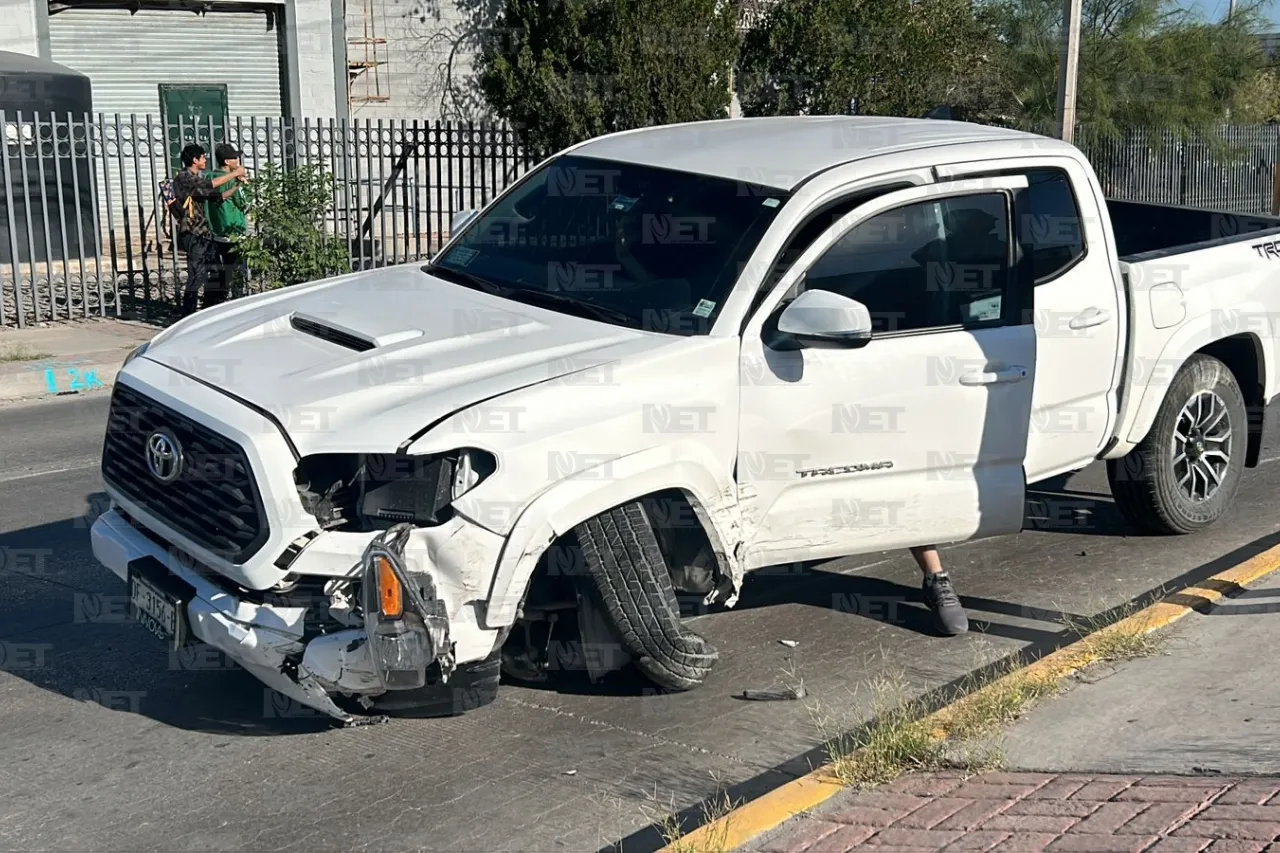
column 820, row 317
column 460, row 219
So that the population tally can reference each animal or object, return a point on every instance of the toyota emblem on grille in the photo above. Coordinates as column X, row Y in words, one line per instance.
column 164, row 456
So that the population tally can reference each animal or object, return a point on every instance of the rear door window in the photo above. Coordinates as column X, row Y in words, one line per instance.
column 1051, row 224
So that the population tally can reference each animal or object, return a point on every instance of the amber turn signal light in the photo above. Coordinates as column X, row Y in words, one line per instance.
column 390, row 595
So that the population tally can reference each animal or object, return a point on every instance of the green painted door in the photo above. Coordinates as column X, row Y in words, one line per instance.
column 193, row 114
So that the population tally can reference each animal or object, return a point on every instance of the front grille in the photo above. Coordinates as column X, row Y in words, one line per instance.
column 214, row 501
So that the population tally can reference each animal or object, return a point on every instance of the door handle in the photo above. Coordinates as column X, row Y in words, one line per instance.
column 1090, row 317
column 994, row 377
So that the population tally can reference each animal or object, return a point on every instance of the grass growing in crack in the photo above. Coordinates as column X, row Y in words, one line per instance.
column 22, row 352
column 903, row 737
column 1127, row 636
column 897, row 740
column 999, row 697
column 713, row 834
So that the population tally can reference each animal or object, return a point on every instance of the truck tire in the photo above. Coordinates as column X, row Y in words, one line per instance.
column 1184, row 475
column 629, row 577
column 470, row 686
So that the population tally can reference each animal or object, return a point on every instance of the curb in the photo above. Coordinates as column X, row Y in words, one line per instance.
column 57, row 378
column 752, row 819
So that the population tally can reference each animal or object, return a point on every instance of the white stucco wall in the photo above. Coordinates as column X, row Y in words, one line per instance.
column 18, row 34
column 319, row 81
column 428, row 42
column 317, row 88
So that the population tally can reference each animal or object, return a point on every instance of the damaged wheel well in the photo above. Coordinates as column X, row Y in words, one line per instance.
column 551, row 610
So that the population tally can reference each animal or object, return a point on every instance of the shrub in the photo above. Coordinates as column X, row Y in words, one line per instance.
column 289, row 242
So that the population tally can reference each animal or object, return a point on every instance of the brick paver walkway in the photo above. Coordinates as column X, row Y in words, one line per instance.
column 1032, row 812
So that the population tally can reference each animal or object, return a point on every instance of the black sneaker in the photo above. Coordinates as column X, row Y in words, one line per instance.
column 941, row 597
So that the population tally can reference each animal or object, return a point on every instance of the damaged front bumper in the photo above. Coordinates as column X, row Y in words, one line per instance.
column 405, row 626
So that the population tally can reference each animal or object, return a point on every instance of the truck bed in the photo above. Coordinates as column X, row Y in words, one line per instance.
column 1144, row 231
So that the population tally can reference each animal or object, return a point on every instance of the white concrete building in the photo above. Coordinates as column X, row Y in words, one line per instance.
column 414, row 59
column 318, row 59
column 264, row 58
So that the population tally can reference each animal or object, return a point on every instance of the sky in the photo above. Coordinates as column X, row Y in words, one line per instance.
column 1212, row 9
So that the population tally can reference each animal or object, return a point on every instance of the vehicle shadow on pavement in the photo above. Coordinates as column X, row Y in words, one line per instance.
column 890, row 602
column 65, row 627
column 1054, row 507
column 1245, row 602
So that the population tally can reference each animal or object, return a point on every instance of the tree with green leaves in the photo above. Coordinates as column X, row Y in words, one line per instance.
column 881, row 57
column 1143, row 63
column 562, row 71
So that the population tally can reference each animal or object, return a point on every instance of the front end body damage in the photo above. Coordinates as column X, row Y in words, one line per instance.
column 457, row 519
column 560, row 623
column 406, row 624
column 308, row 637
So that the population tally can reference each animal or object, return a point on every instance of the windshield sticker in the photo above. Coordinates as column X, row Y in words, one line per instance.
column 770, row 202
column 623, row 203
column 462, row 256
column 704, row 308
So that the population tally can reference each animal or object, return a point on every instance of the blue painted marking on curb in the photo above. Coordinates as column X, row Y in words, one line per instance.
column 80, row 380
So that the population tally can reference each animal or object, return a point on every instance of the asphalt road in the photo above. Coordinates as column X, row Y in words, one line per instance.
column 110, row 743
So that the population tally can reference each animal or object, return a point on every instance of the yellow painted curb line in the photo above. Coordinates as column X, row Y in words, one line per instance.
column 770, row 810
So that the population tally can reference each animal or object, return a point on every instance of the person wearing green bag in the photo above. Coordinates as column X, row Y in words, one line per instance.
column 228, row 221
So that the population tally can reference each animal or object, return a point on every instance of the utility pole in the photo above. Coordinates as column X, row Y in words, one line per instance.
column 1067, row 71
column 1231, row 9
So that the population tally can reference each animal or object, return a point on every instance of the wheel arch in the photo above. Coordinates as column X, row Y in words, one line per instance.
column 1244, row 355
column 645, row 474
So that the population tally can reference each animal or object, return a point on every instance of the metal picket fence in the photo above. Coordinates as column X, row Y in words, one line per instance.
column 1230, row 170
column 83, row 232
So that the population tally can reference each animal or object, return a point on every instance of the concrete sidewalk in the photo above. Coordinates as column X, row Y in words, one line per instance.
column 1179, row 751
column 68, row 358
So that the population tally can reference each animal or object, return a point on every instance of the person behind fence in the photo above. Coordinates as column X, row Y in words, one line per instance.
column 192, row 187
column 227, row 221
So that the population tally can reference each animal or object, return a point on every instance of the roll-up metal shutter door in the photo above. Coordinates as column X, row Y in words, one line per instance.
column 127, row 55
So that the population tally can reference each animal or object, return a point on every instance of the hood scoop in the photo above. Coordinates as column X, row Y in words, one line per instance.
column 335, row 333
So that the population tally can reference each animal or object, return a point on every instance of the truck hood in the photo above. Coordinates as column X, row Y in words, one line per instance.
column 363, row 363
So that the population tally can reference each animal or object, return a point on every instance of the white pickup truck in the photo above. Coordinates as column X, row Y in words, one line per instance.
column 661, row 359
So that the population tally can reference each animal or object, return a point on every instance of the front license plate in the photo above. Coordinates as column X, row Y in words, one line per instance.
column 160, row 611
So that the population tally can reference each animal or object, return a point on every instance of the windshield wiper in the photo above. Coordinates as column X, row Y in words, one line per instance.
column 467, row 279
column 531, row 296
column 559, row 300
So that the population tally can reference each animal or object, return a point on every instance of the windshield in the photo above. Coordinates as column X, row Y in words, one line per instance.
column 633, row 245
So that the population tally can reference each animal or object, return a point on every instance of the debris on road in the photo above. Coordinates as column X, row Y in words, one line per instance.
column 783, row 695
column 791, row 644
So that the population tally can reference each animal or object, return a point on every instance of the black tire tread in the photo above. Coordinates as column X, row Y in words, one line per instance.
column 1142, row 481
column 630, row 578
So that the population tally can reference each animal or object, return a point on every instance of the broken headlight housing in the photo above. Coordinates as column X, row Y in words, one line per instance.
column 406, row 623
column 374, row 491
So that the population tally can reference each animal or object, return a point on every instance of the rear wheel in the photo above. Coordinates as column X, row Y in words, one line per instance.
column 1184, row 475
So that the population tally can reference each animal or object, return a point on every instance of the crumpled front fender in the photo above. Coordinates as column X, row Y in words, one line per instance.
column 681, row 465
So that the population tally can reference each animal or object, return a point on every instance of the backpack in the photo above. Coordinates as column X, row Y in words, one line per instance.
column 179, row 210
